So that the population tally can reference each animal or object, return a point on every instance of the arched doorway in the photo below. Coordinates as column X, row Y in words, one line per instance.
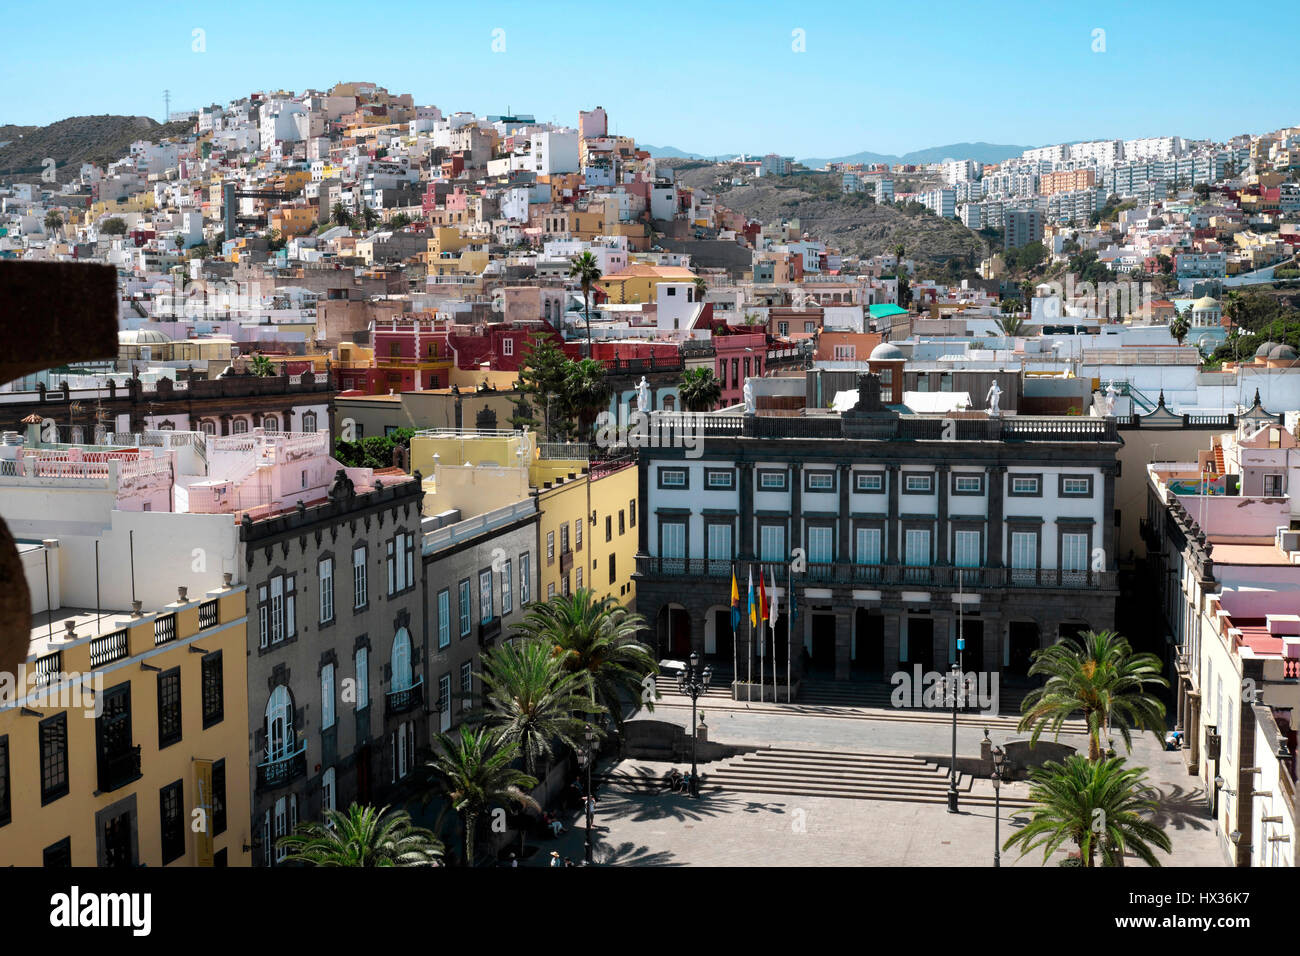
column 673, row 631
column 868, row 641
column 1022, row 641
column 718, row 641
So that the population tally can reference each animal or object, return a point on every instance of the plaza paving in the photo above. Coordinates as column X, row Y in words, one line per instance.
column 739, row 829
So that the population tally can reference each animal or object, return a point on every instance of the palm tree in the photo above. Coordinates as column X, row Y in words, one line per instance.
column 1011, row 325
column 1180, row 325
column 701, row 288
column 1098, row 805
column 261, row 366
column 475, row 772
column 1027, row 290
column 340, row 214
column 363, row 836
column 586, row 270
column 699, row 389
column 586, row 391
column 1099, row 675
column 531, row 699
column 53, row 221
column 899, row 251
column 597, row 639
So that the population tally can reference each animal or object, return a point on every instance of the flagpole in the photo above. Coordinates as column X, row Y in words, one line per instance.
column 789, row 631
column 771, row 616
column 735, row 666
column 749, row 647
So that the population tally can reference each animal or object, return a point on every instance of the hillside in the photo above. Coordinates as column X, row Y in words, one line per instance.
column 75, row 140
column 854, row 223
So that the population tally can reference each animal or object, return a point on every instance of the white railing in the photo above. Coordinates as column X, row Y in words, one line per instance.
column 446, row 537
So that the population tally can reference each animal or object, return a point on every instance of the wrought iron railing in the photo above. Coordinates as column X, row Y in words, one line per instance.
column 405, row 700
column 277, row 771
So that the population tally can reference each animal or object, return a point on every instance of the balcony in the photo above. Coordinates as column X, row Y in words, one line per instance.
column 118, row 769
column 278, row 771
column 406, row 700
column 489, row 631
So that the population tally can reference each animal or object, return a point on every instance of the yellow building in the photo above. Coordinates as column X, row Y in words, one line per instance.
column 637, row 282
column 294, row 220
column 128, row 740
column 445, row 239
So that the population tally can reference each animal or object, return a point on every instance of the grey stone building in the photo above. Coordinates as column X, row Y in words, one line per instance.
column 885, row 526
column 479, row 573
column 337, row 662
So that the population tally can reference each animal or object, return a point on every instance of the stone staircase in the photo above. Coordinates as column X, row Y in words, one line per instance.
column 827, row 773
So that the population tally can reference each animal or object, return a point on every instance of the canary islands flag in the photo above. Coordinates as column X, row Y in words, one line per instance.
column 753, row 618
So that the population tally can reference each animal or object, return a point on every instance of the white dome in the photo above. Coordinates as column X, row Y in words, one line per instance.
column 887, row 352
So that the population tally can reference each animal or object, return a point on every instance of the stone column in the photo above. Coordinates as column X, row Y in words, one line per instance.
column 992, row 643
column 843, row 637
column 1108, row 519
column 941, row 551
column 794, row 532
column 844, row 550
column 746, row 511
column 892, row 618
column 891, row 526
column 996, row 478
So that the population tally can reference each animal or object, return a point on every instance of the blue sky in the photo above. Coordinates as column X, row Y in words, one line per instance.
column 705, row 76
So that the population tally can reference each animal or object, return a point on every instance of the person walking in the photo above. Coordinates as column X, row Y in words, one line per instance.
column 555, row 858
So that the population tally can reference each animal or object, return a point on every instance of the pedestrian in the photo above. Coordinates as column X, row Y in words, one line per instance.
column 555, row 858
column 568, row 861
column 514, row 862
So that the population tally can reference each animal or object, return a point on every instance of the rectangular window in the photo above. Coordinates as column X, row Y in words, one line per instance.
column 869, row 481
column 290, row 606
column 507, row 589
column 6, row 803
column 672, row 478
column 622, row 528
column 169, row 707
column 550, row 547
column 359, row 596
column 1024, row 550
column 564, row 538
column 612, row 564
column 466, row 686
column 214, row 698
column 326, row 585
column 968, row 484
column 609, row 528
column 219, row 798
column 771, row 480
column 718, row 479
column 327, row 783
column 577, row 535
column 917, row 543
column 771, row 541
column 173, row 822
column 631, row 512
column 53, row 736
column 485, row 596
column 444, row 618
column 719, row 544
column 1076, row 486
column 966, row 549
column 821, row 481
column 464, row 607
column 277, row 609
column 281, row 827
column 327, row 697
column 550, row 590
column 577, row 577
column 363, row 678
column 868, row 546
column 444, row 700
column 1021, row 485
column 525, row 572
column 1074, row 552
column 263, row 618
column 821, row 548
column 58, row 855
column 674, row 539
column 919, row 484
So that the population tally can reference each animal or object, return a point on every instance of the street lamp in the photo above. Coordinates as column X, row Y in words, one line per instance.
column 952, row 773
column 587, row 757
column 693, row 683
column 999, row 769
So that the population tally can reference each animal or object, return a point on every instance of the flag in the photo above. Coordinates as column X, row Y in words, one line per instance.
column 752, row 619
column 771, row 617
column 762, row 597
column 735, row 600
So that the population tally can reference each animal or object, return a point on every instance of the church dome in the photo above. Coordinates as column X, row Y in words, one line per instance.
column 141, row 337
column 1205, row 304
column 887, row 352
column 1282, row 353
column 1263, row 350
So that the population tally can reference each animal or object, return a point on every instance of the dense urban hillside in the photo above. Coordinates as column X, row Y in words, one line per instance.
column 75, row 140
column 853, row 223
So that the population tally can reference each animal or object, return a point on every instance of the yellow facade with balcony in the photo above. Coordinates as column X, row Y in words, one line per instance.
column 163, row 767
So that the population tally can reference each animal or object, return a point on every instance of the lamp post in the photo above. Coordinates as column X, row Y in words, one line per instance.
column 952, row 772
column 693, row 683
column 999, row 768
column 587, row 757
